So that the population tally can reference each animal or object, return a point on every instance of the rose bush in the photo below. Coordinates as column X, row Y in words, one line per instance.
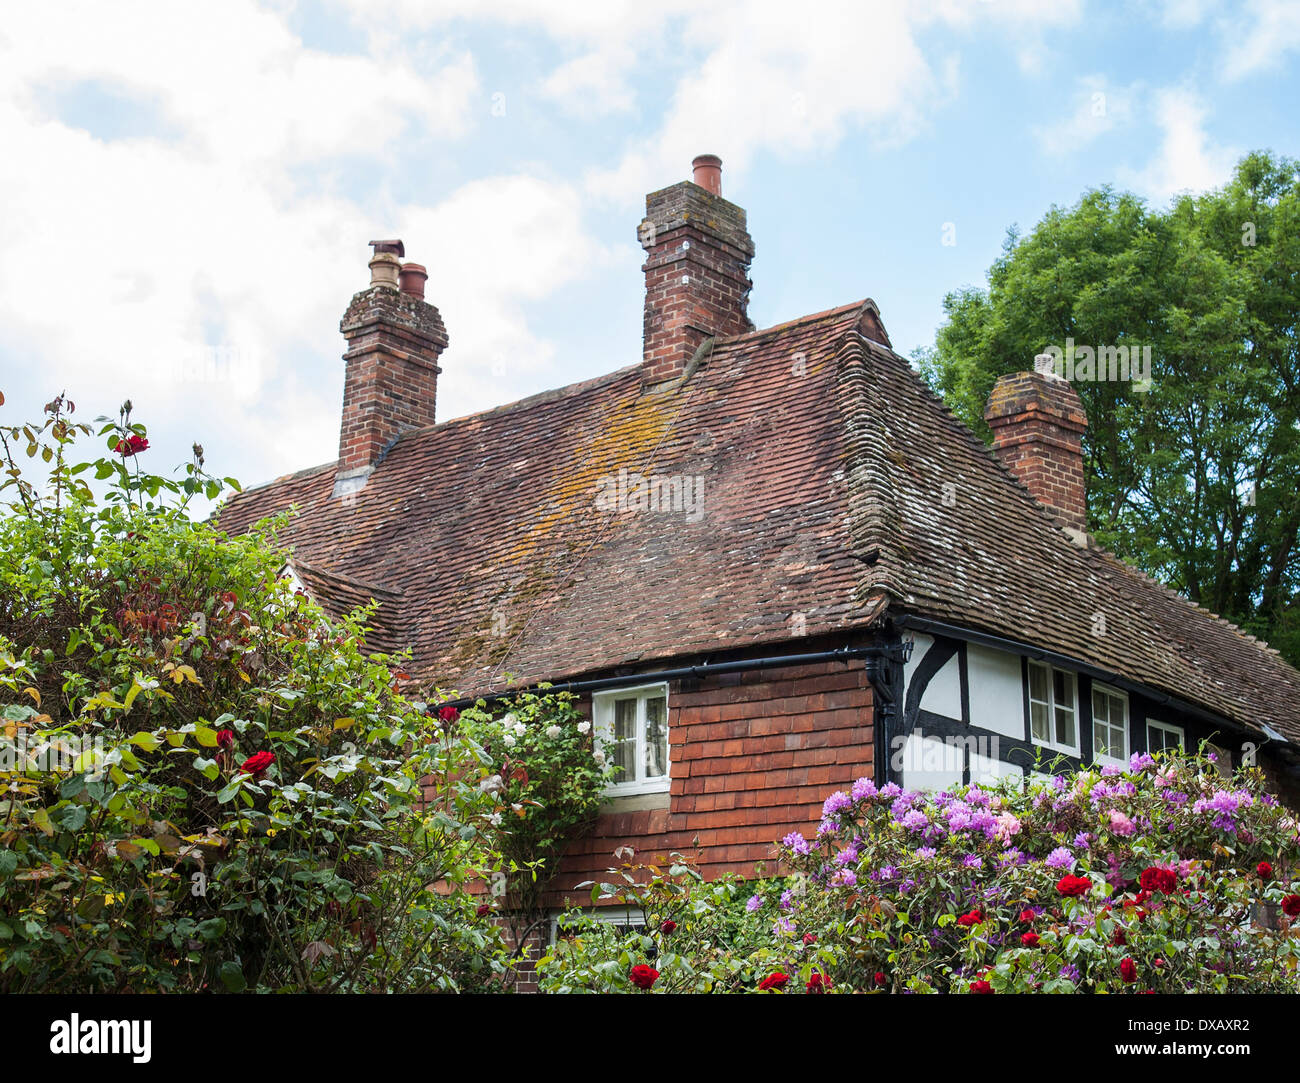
column 204, row 783
column 1159, row 877
column 546, row 777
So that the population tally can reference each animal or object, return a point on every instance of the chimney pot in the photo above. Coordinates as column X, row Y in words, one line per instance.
column 413, row 277
column 706, row 171
column 384, row 270
column 396, row 247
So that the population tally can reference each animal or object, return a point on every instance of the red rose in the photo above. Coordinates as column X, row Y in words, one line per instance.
column 809, row 938
column 132, row 445
column 980, row 986
column 775, row 980
column 969, row 919
column 1265, row 870
column 225, row 739
column 818, row 983
column 1029, row 940
column 448, row 714
column 1128, row 970
column 257, row 763
column 1121, row 938
column 668, row 926
column 1155, row 879
column 1073, row 885
column 642, row 976
column 484, row 910
column 1291, row 906
column 880, row 978
column 1027, row 916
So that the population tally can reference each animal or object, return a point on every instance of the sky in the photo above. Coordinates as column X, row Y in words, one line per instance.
column 187, row 190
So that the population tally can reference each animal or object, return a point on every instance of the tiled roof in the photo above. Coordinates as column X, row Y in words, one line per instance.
column 834, row 482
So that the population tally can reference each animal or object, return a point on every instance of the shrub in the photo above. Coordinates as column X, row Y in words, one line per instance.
column 1162, row 877
column 207, row 784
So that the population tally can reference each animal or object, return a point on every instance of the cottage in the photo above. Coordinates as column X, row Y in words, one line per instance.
column 854, row 586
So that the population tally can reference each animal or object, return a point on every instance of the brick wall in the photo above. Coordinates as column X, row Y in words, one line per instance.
column 753, row 756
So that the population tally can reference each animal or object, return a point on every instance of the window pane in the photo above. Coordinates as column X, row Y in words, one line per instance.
column 625, row 739
column 656, row 738
column 1065, row 726
column 1063, row 686
column 1037, row 683
column 1038, row 722
column 1160, row 738
column 1099, row 705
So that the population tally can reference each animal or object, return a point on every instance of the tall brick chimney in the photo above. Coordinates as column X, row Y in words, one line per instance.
column 697, row 283
column 1038, row 423
column 394, row 339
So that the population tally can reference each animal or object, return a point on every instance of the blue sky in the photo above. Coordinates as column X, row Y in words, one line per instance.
column 188, row 189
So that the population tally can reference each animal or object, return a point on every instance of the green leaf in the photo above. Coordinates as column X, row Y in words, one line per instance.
column 232, row 977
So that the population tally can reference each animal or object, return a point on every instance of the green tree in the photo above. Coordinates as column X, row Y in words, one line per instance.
column 1197, row 480
column 204, row 783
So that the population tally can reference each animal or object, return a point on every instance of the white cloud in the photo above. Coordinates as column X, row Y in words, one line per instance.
column 592, row 85
column 1258, row 42
column 493, row 247
column 1186, row 159
column 203, row 272
column 1100, row 108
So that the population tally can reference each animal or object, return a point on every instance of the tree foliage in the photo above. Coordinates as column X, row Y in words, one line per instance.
column 1196, row 481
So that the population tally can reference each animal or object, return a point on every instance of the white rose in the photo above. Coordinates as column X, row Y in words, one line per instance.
column 508, row 720
column 492, row 784
column 495, row 819
column 584, row 728
column 552, row 732
column 599, row 757
column 509, row 741
column 520, row 729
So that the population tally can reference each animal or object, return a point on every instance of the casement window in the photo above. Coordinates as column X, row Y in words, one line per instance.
column 620, row 920
column 1053, row 708
column 1109, row 725
column 633, row 725
column 1162, row 735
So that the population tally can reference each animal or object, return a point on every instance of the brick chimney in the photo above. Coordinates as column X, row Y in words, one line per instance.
column 394, row 339
column 1038, row 424
column 697, row 283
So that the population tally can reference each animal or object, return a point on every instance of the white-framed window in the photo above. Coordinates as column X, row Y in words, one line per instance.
column 623, row 919
column 1053, row 708
column 633, row 724
column 1109, row 725
column 1163, row 735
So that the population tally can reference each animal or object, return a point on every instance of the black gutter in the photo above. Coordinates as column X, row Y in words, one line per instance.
column 704, row 669
column 953, row 631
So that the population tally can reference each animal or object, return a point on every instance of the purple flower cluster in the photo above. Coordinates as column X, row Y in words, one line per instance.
column 796, row 842
column 1060, row 858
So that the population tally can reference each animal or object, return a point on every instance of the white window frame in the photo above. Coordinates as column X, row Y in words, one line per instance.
column 1050, row 703
column 1166, row 727
column 632, row 917
column 1114, row 693
column 602, row 707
